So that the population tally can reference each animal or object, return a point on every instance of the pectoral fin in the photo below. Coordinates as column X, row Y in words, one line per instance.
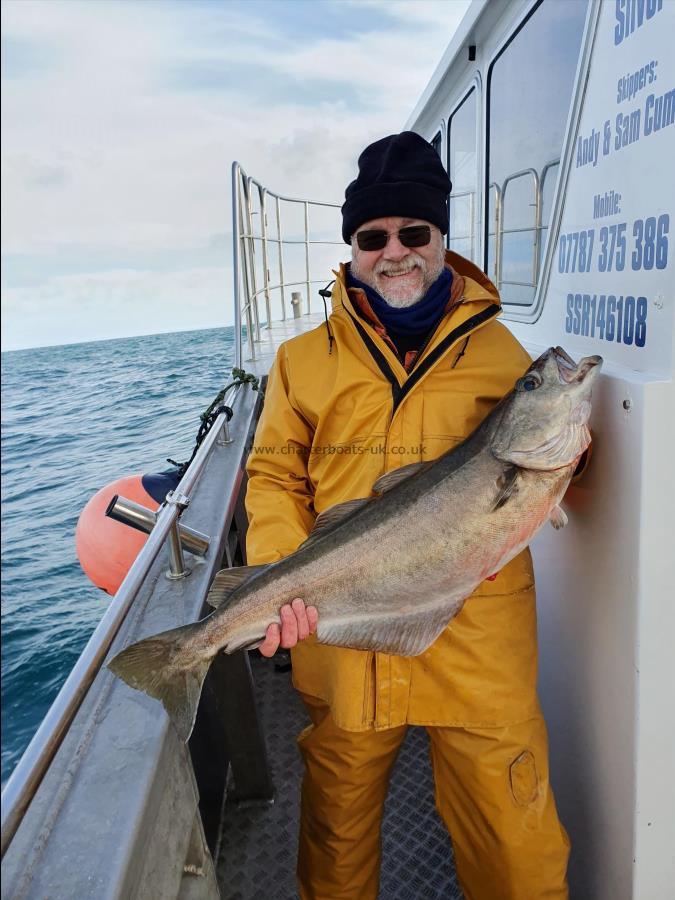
column 558, row 517
column 507, row 486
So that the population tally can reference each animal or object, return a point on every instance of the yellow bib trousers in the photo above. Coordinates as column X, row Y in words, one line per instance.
column 492, row 792
column 340, row 410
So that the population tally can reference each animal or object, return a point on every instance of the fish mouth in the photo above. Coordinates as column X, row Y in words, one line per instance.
column 570, row 372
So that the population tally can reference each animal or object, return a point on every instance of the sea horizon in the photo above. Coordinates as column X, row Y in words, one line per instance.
column 104, row 340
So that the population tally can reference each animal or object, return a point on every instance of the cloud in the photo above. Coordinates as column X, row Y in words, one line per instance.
column 116, row 154
column 34, row 172
column 436, row 14
column 115, row 304
column 22, row 58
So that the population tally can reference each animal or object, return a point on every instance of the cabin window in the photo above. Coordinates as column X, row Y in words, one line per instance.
column 529, row 92
column 462, row 168
column 436, row 143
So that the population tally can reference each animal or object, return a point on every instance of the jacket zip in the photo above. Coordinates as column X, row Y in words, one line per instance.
column 399, row 392
column 380, row 359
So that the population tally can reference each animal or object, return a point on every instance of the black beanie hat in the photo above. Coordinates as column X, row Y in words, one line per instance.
column 399, row 175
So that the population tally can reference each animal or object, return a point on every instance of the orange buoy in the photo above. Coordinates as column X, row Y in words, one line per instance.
column 105, row 548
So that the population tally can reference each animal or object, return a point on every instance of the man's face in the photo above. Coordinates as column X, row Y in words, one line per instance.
column 399, row 274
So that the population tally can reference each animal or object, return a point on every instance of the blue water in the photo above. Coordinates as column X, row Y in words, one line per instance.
column 75, row 418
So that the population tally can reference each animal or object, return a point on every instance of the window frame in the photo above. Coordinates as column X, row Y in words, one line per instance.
column 518, row 311
column 474, row 85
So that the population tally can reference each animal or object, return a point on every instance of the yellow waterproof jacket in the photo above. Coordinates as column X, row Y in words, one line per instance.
column 337, row 417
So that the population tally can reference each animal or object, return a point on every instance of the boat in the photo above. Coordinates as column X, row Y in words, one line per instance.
column 555, row 121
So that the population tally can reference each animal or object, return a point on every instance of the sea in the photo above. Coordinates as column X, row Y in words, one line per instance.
column 75, row 418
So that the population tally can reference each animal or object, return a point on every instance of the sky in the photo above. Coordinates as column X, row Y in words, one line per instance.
column 120, row 121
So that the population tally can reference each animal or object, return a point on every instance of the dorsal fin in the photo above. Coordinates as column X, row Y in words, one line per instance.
column 390, row 479
column 507, row 485
column 227, row 581
column 333, row 516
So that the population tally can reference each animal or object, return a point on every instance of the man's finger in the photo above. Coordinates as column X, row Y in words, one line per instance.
column 271, row 643
column 312, row 618
column 289, row 627
column 301, row 617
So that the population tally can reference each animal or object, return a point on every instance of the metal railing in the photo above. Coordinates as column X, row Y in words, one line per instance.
column 537, row 228
column 470, row 235
column 29, row 772
column 253, row 281
column 251, row 244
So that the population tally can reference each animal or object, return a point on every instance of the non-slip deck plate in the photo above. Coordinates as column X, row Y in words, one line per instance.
column 258, row 844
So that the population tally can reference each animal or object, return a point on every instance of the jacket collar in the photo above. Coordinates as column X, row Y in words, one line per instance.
column 477, row 286
column 478, row 294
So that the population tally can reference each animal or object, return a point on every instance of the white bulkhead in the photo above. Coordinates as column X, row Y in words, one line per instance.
column 556, row 122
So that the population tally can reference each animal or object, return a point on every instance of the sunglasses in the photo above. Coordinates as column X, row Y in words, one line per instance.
column 410, row 236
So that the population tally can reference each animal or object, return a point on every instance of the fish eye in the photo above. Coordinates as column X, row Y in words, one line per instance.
column 530, row 382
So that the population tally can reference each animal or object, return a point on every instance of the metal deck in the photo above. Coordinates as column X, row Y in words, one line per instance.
column 258, row 844
column 273, row 336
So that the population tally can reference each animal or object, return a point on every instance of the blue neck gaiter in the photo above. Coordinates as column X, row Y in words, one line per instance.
column 418, row 319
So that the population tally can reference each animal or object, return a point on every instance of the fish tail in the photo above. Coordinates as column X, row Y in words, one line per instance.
column 159, row 667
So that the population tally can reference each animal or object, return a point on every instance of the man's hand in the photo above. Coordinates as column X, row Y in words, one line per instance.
column 297, row 621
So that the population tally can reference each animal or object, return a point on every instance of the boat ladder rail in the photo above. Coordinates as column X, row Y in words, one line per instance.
column 537, row 228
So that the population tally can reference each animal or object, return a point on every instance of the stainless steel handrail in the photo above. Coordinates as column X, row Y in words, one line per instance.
column 539, row 180
column 457, row 195
column 537, row 214
column 280, row 251
column 551, row 164
column 281, row 284
column 236, row 266
column 253, row 275
column 497, row 231
column 246, row 291
column 31, row 768
column 246, row 238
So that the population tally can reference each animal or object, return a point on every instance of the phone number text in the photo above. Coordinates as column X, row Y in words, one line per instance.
column 578, row 251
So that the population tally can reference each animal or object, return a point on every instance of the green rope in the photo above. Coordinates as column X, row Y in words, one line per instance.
column 215, row 408
column 239, row 376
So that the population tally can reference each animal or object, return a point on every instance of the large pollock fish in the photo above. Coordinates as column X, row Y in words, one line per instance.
column 389, row 572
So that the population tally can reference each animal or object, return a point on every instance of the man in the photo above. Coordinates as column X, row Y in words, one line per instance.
column 411, row 361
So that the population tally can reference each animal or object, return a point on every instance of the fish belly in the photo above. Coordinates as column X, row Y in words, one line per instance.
column 393, row 586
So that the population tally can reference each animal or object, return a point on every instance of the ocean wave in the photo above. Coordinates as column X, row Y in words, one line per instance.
column 74, row 419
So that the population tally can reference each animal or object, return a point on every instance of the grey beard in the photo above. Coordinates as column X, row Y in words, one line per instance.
column 430, row 274
column 403, row 302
